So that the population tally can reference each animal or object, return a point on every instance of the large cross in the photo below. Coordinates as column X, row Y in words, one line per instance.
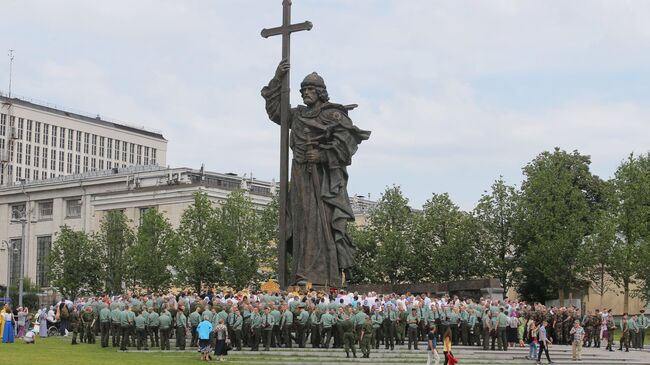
column 285, row 30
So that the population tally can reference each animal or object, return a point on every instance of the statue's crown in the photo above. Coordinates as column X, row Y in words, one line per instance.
column 313, row 79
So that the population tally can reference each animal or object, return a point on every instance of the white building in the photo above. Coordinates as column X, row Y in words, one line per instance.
column 41, row 142
column 80, row 202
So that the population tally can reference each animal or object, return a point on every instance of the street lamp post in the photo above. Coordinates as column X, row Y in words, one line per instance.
column 23, row 222
column 9, row 247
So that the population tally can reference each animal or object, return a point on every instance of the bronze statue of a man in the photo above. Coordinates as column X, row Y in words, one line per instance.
column 323, row 140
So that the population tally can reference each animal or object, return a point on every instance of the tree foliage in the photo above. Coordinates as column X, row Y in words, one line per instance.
column 152, row 257
column 75, row 264
column 559, row 205
column 198, row 265
column 115, row 236
column 495, row 215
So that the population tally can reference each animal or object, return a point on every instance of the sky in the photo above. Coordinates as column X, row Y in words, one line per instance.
column 456, row 93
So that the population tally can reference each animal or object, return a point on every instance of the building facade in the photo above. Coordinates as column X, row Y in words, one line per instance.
column 40, row 142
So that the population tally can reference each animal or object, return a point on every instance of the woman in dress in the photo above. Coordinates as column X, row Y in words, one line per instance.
column 204, row 329
column 511, row 330
column 8, row 333
column 42, row 322
column 221, row 334
column 21, row 316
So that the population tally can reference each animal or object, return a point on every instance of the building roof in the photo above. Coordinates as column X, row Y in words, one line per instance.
column 97, row 120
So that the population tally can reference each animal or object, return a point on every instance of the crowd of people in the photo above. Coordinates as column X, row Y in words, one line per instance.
column 217, row 322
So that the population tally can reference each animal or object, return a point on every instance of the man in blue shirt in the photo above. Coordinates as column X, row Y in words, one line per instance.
column 543, row 342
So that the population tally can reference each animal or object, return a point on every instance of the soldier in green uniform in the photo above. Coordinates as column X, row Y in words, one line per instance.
column 88, row 320
column 502, row 324
column 195, row 319
column 153, row 324
column 487, row 329
column 389, row 326
column 401, row 325
column 104, row 324
column 116, row 328
column 267, row 327
column 246, row 325
column 643, row 323
column 236, row 323
column 165, row 323
column 472, row 323
column 348, row 336
column 181, row 328
column 377, row 320
column 301, row 325
column 141, row 331
column 634, row 332
column 286, row 322
column 464, row 326
column 75, row 323
column 276, row 336
column 315, row 324
column 412, row 320
column 327, row 324
column 125, row 326
column 595, row 328
column 625, row 334
column 256, row 329
column 365, row 341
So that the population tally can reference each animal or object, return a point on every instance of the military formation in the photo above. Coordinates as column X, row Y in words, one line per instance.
column 339, row 320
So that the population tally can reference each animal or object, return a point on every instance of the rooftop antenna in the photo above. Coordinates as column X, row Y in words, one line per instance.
column 11, row 63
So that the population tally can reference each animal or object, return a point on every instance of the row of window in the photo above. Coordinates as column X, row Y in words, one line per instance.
column 43, row 248
column 28, row 131
column 45, row 209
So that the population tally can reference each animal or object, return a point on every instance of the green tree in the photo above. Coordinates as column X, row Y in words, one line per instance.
column 199, row 253
column 632, row 211
column 152, row 256
column 390, row 226
column 242, row 243
column 75, row 264
column 269, row 225
column 559, row 205
column 30, row 293
column 447, row 245
column 598, row 252
column 365, row 271
column 114, row 237
column 495, row 214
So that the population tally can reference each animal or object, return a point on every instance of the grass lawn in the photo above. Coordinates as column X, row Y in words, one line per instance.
column 58, row 351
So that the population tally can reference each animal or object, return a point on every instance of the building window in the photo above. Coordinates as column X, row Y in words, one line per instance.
column 21, row 126
column 27, row 174
column 94, row 145
column 69, row 165
column 43, row 247
column 53, row 144
column 19, row 172
column 153, row 156
column 36, row 174
column 46, row 133
column 3, row 124
column 124, row 151
column 139, row 155
column 77, row 164
column 86, row 139
column 101, row 146
column 109, row 148
column 45, row 210
column 44, row 164
column 37, row 155
column 28, row 154
column 17, row 211
column 117, row 149
column 29, row 130
column 143, row 211
column 61, row 160
column 70, row 139
column 109, row 164
column 61, row 137
column 78, row 145
column 17, row 246
column 43, row 175
column 85, row 163
column 146, row 155
column 73, row 208
column 93, row 164
column 37, row 132
column 53, row 160
column 19, row 152
column 131, row 153
column 101, row 164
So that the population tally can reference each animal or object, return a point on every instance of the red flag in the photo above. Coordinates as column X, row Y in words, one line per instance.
column 452, row 359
